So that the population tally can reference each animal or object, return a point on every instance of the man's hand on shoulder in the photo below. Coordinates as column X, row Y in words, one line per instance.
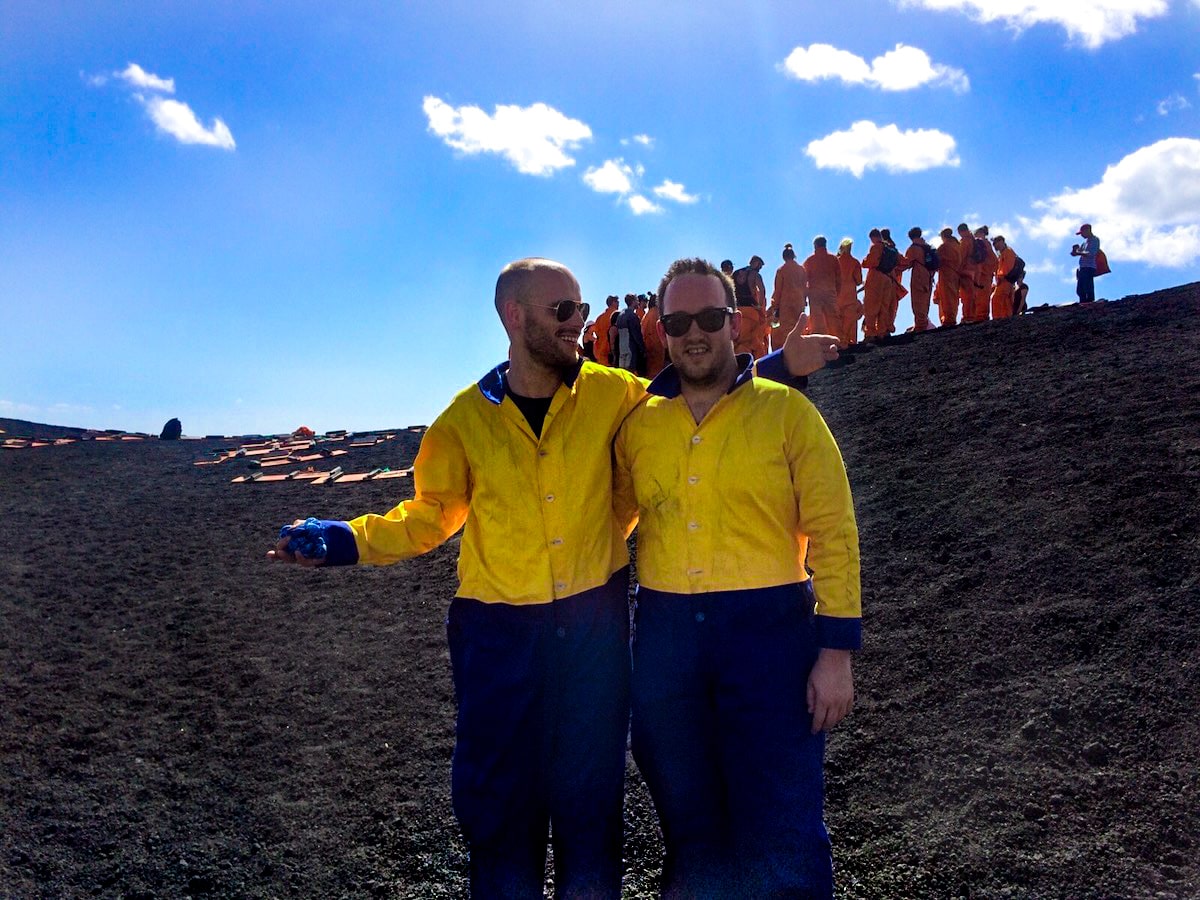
column 807, row 353
column 830, row 689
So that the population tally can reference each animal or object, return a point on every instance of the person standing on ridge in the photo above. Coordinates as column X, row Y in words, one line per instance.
column 849, row 307
column 630, row 352
column 987, row 271
column 949, row 258
column 1085, row 275
column 880, row 287
column 752, row 303
column 789, row 298
column 824, row 280
column 918, row 259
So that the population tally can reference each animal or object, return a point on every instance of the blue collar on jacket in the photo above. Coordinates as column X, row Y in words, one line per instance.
column 667, row 384
column 494, row 385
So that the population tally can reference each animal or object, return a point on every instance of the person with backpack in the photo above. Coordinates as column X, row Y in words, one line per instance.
column 922, row 261
column 849, row 307
column 1010, row 269
column 879, row 291
column 970, row 272
column 987, row 270
column 949, row 254
column 630, row 351
column 1085, row 276
column 751, row 296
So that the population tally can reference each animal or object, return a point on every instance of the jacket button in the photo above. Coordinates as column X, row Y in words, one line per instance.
column 549, row 498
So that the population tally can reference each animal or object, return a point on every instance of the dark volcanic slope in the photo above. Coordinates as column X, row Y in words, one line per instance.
column 180, row 718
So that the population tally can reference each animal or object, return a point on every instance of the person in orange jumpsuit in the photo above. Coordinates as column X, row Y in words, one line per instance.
column 879, row 289
column 656, row 354
column 949, row 260
column 751, row 295
column 920, row 282
column 970, row 276
column 899, row 293
column 789, row 297
column 849, row 307
column 824, row 281
column 987, row 273
column 604, row 329
column 1002, row 295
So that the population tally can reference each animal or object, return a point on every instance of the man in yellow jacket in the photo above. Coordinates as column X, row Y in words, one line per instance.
column 741, row 660
column 538, row 629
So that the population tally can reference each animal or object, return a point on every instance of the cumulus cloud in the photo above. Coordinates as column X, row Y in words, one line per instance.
column 866, row 145
column 673, row 190
column 1145, row 208
column 135, row 76
column 613, row 177
column 536, row 139
column 1171, row 104
column 177, row 119
column 900, row 69
column 640, row 205
column 1092, row 25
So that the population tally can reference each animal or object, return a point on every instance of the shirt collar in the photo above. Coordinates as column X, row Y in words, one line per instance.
column 494, row 385
column 667, row 384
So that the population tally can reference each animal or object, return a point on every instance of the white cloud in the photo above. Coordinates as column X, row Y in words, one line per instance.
column 177, row 119
column 613, row 177
column 1172, row 104
column 135, row 75
column 644, row 139
column 866, row 145
column 1092, row 24
column 1145, row 208
column 900, row 69
column 673, row 190
column 640, row 205
column 535, row 139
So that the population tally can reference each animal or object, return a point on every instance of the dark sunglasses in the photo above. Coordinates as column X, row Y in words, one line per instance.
column 710, row 320
column 564, row 309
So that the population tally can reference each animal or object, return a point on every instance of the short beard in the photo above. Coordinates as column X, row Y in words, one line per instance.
column 547, row 350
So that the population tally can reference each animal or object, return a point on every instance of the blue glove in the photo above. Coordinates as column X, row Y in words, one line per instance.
column 307, row 539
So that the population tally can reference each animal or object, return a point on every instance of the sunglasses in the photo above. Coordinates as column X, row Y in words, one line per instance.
column 710, row 320
column 564, row 309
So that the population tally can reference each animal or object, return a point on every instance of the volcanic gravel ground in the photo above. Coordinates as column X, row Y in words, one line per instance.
column 182, row 718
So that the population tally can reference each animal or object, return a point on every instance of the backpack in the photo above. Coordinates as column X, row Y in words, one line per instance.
column 931, row 259
column 888, row 259
column 979, row 250
column 1101, row 264
column 1017, row 273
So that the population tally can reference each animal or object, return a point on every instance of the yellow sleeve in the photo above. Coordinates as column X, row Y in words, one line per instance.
column 826, row 515
column 625, row 508
column 442, row 484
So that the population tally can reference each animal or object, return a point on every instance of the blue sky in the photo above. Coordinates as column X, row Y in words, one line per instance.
column 254, row 216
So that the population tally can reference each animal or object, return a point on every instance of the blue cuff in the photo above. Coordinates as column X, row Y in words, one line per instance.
column 837, row 634
column 341, row 548
column 773, row 368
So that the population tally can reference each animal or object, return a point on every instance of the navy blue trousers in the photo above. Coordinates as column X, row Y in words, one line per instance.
column 1085, row 284
column 721, row 733
column 543, row 714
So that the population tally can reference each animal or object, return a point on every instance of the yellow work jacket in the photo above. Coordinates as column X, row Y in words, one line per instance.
column 742, row 500
column 538, row 511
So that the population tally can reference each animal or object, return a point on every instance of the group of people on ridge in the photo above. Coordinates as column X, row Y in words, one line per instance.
column 979, row 274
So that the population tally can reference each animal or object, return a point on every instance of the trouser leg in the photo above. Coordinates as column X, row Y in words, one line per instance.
column 1085, row 284
column 542, row 718
column 589, row 691
column 771, row 761
column 675, row 748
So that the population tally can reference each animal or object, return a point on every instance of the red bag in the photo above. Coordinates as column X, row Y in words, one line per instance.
column 1101, row 264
